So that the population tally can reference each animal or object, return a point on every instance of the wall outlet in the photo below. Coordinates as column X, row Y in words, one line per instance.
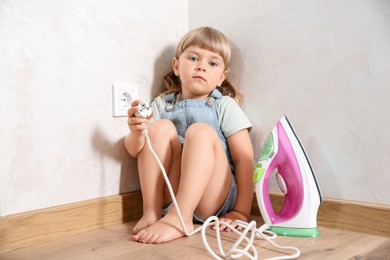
column 123, row 94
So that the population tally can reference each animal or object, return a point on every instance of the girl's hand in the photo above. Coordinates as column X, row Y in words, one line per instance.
column 136, row 124
column 231, row 218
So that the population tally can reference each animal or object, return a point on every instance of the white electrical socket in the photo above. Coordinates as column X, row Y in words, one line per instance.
column 123, row 94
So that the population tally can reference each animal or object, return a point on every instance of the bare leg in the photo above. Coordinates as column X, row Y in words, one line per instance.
column 204, row 183
column 166, row 144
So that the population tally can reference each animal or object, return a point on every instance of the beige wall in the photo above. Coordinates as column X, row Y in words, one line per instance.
column 326, row 64
column 58, row 59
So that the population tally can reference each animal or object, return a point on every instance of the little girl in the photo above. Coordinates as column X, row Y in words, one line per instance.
column 201, row 136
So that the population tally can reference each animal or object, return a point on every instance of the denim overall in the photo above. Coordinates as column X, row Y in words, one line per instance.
column 187, row 112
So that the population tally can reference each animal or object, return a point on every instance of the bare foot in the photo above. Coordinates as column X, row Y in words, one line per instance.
column 166, row 229
column 144, row 222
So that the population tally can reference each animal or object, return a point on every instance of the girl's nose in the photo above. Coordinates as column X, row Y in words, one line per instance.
column 200, row 68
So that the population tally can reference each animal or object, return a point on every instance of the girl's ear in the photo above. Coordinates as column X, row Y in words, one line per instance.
column 223, row 77
column 175, row 66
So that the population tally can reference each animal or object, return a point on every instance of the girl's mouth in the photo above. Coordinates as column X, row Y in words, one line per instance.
column 199, row 77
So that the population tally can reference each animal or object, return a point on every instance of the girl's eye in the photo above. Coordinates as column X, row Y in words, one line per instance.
column 192, row 58
column 213, row 64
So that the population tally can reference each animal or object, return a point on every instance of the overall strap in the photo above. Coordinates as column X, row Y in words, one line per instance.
column 215, row 95
column 169, row 102
column 170, row 98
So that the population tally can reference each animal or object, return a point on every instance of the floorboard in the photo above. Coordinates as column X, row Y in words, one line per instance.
column 115, row 242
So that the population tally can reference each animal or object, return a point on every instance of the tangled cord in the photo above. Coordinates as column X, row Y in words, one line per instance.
column 234, row 251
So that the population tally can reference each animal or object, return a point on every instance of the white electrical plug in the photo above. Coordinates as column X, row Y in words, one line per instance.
column 144, row 110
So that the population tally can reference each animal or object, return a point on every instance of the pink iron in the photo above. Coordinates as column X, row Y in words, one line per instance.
column 283, row 152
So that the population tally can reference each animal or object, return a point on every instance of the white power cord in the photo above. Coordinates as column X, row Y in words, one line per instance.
column 234, row 251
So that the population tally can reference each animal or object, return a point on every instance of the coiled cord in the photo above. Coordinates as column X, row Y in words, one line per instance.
column 234, row 252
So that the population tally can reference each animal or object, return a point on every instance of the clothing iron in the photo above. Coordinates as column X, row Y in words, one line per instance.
column 284, row 157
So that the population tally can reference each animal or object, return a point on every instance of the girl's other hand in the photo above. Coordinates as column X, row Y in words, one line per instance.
column 136, row 124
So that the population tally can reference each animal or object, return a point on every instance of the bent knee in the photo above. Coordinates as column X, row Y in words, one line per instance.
column 201, row 130
column 162, row 127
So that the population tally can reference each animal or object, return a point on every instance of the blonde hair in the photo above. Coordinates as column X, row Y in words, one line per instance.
column 209, row 39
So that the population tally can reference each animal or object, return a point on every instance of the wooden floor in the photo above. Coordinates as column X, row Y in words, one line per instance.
column 115, row 242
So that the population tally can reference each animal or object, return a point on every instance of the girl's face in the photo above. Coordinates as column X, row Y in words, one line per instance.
column 200, row 71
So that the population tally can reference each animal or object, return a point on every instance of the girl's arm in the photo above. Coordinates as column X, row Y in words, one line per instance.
column 135, row 141
column 242, row 155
